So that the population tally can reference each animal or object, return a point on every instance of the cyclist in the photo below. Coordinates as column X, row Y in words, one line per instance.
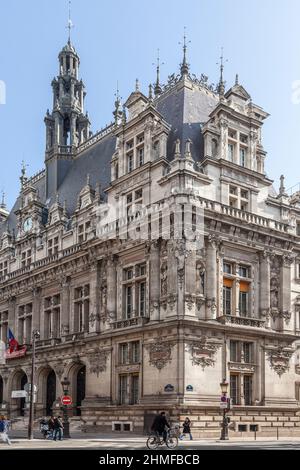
column 160, row 425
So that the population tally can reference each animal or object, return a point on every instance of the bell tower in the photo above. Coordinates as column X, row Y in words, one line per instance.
column 67, row 126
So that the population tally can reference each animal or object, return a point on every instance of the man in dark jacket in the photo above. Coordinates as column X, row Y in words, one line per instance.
column 58, row 428
column 160, row 424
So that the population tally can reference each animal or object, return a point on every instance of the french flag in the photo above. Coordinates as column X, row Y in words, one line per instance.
column 13, row 343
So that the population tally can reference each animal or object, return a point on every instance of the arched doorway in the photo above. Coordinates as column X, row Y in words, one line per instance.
column 80, row 389
column 23, row 382
column 50, row 391
column 1, row 389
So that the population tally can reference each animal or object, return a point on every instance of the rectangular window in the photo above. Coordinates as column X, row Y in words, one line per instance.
column 138, row 194
column 128, row 301
column 227, row 268
column 244, row 271
column 243, row 304
column 134, row 390
column 130, row 162
column 142, row 299
column 244, row 194
column 234, row 351
column 242, row 157
column 234, row 389
column 135, row 351
column 124, row 353
column 248, row 352
column 227, row 300
column 248, row 390
column 230, row 152
column 140, row 156
column 123, row 382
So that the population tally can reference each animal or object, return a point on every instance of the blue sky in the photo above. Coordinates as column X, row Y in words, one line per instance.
column 118, row 41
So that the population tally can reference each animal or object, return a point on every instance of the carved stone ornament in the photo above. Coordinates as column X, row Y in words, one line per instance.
column 93, row 317
column 203, row 351
column 98, row 360
column 279, row 359
column 59, row 369
column 160, row 352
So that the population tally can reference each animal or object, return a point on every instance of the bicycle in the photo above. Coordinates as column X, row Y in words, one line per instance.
column 155, row 440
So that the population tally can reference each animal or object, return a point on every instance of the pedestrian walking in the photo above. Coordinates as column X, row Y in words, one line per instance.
column 4, row 425
column 51, row 427
column 44, row 427
column 186, row 429
column 58, row 428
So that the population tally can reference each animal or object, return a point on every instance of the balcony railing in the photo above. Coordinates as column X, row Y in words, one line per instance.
column 243, row 321
column 128, row 322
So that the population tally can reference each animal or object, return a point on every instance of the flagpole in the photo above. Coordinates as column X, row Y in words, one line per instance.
column 35, row 336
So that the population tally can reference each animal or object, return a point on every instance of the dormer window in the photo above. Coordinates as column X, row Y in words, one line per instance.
column 53, row 246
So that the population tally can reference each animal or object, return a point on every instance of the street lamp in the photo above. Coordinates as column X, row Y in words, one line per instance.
column 65, row 386
column 35, row 336
column 224, row 431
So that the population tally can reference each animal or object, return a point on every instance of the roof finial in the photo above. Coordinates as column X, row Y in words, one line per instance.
column 23, row 177
column 282, row 191
column 88, row 179
column 150, row 96
column 184, row 68
column 117, row 112
column 3, row 205
column 70, row 24
column 221, row 86
column 157, row 88
column 137, row 85
column 237, row 79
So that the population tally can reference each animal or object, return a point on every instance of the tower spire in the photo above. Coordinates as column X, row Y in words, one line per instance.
column 23, row 177
column 184, row 68
column 157, row 88
column 221, row 86
column 70, row 24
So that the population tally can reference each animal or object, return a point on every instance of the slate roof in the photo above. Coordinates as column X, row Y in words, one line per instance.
column 184, row 108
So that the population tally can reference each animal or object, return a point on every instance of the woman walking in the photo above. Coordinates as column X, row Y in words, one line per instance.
column 186, row 429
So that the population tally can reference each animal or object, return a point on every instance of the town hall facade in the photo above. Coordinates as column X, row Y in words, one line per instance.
column 155, row 258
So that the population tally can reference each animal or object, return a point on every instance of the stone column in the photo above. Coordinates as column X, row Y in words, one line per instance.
column 154, row 276
column 111, row 288
column 264, row 291
column 65, row 306
column 12, row 315
column 224, row 138
column 211, row 278
column 36, row 308
column 190, row 280
column 285, row 300
column 174, row 277
column 94, row 315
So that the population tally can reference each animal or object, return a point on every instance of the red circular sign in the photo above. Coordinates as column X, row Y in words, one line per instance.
column 66, row 400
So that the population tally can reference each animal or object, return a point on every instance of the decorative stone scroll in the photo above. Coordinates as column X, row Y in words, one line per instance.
column 160, row 352
column 98, row 361
column 203, row 351
column 279, row 359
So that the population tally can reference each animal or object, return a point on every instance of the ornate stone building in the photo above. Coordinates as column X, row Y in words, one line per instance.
column 155, row 258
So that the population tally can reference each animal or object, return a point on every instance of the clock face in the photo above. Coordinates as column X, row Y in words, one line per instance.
column 27, row 224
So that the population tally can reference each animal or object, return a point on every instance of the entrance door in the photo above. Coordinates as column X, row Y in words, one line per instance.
column 22, row 400
column 80, row 394
column 51, row 392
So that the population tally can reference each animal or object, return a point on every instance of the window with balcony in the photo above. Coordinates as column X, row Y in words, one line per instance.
column 83, row 230
column 81, row 308
column 129, row 353
column 25, row 323
column 25, row 258
column 134, row 291
column 52, row 316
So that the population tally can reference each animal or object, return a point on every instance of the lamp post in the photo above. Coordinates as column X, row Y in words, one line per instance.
column 65, row 386
column 35, row 336
column 224, row 431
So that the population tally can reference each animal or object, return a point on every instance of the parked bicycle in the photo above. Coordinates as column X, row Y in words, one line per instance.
column 155, row 440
